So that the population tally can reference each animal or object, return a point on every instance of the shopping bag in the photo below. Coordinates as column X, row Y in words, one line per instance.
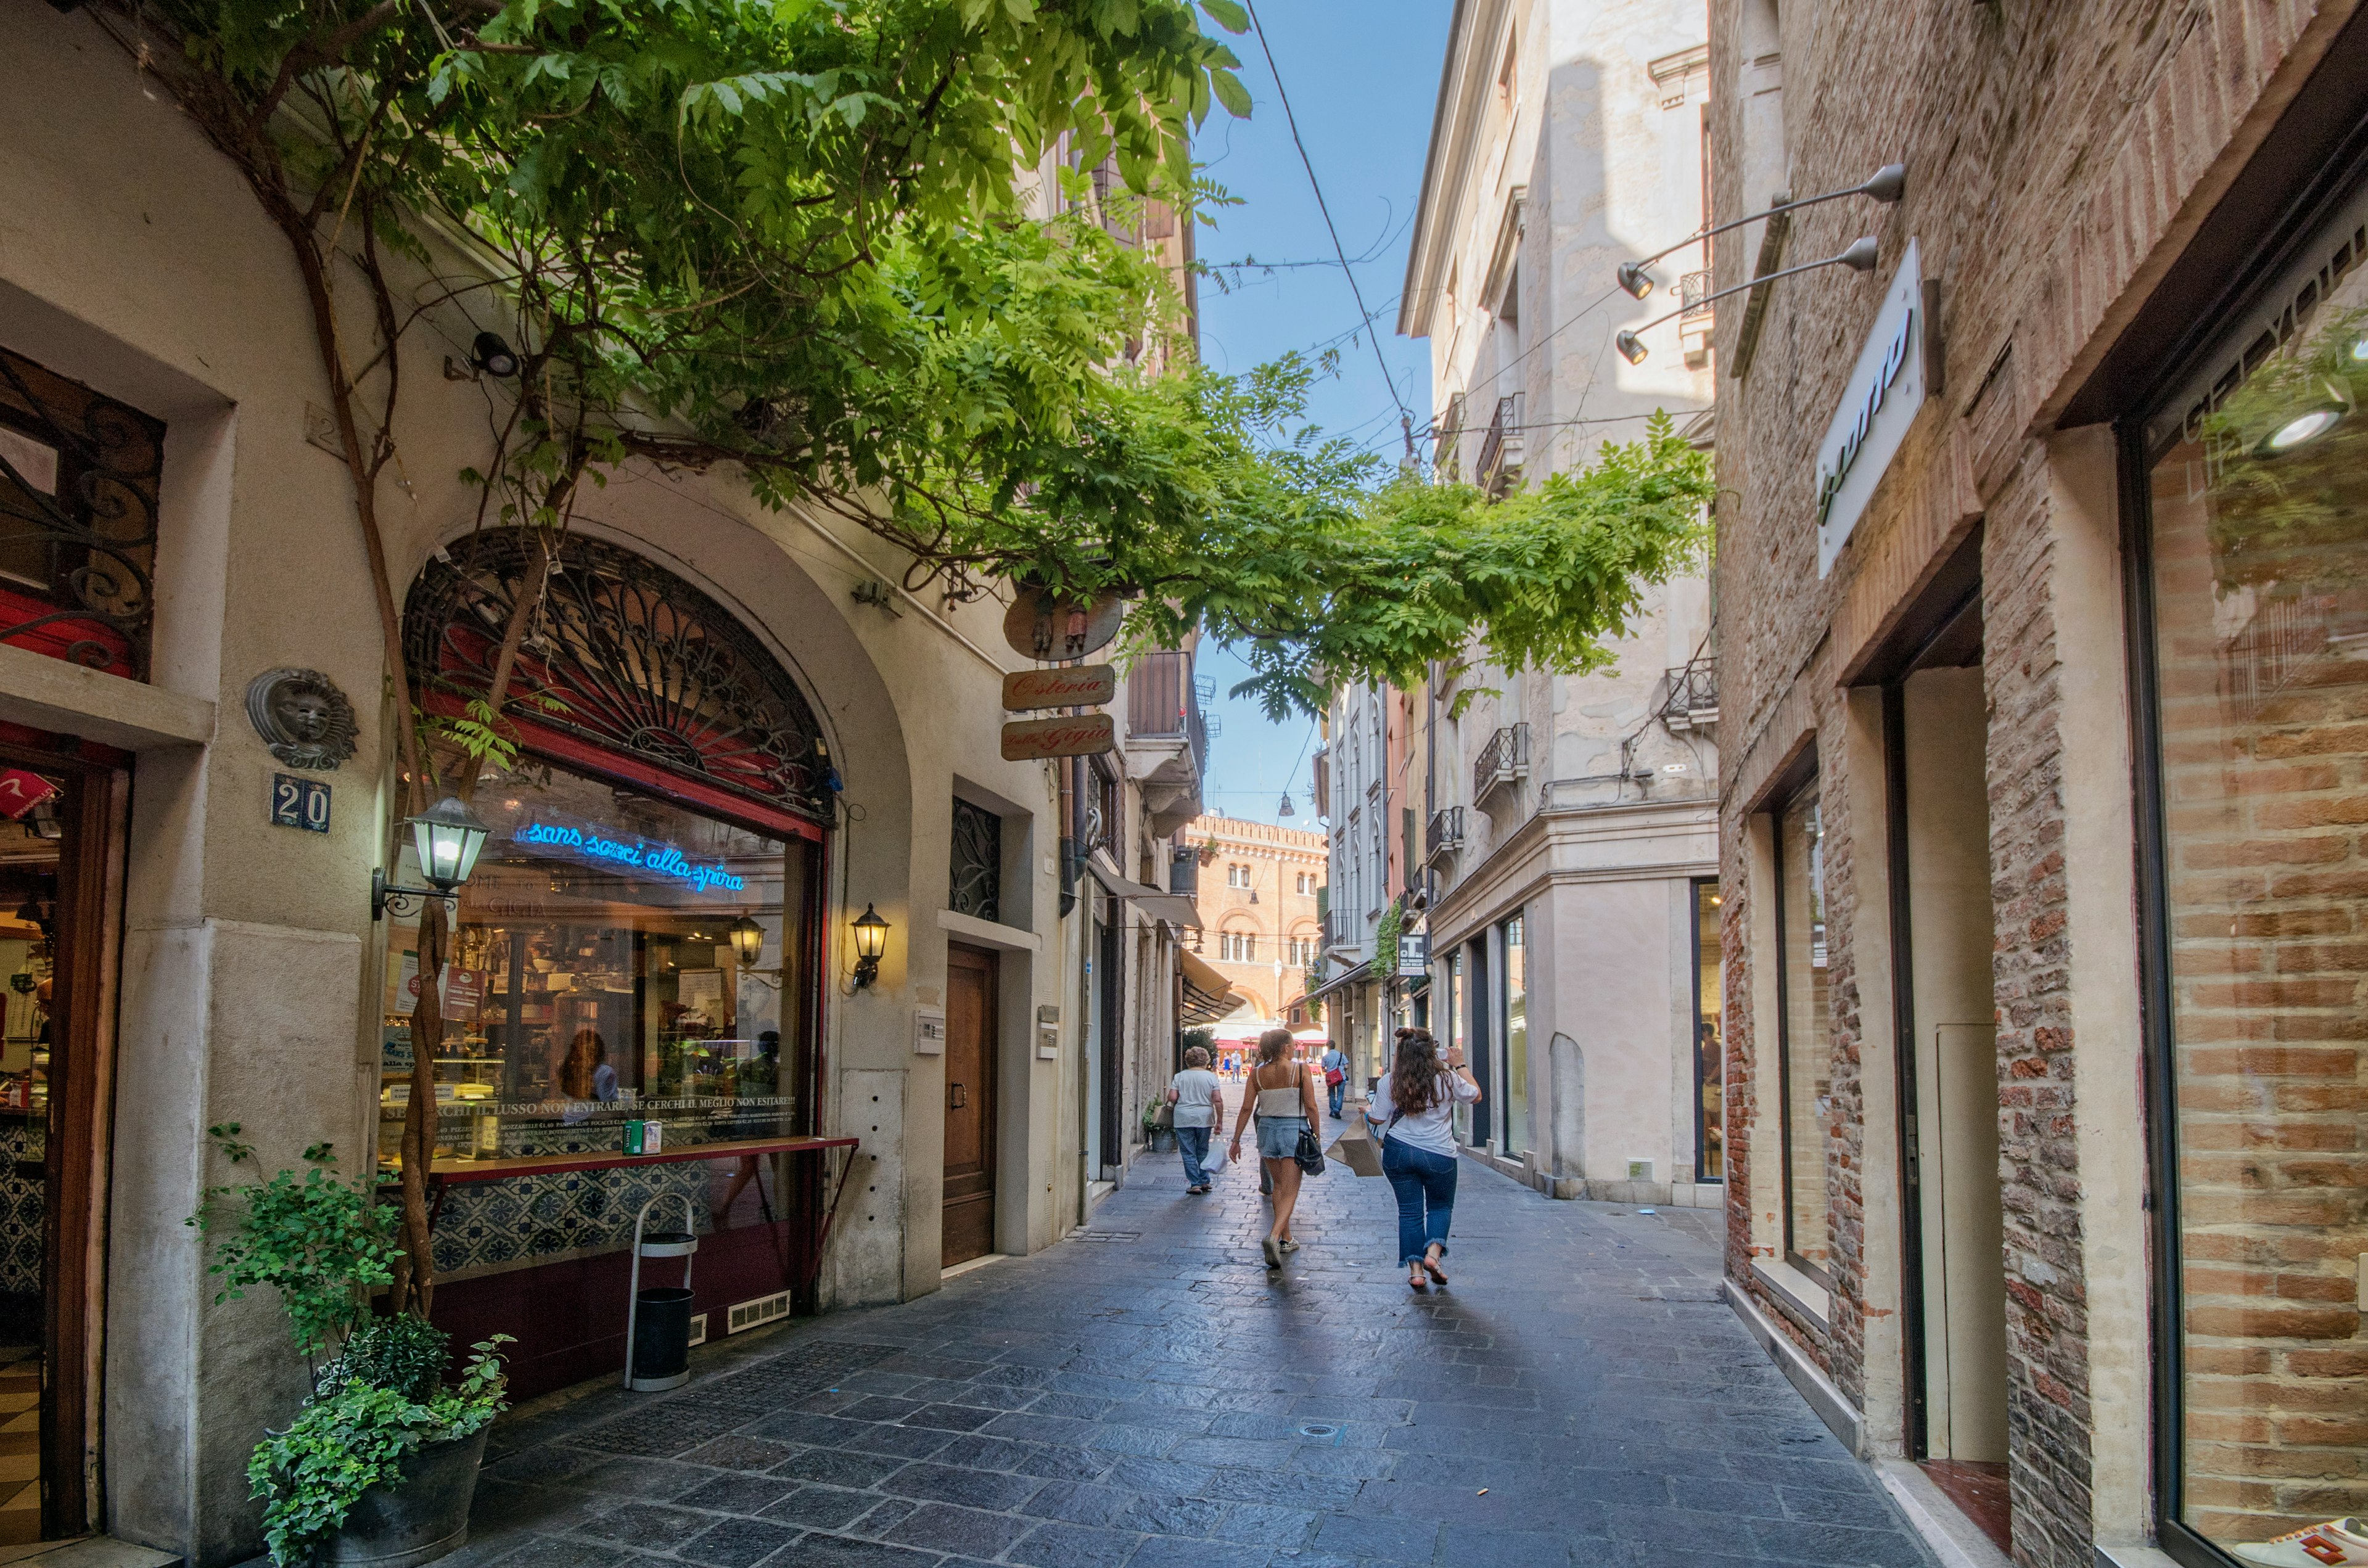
column 1357, row 1152
column 1216, row 1160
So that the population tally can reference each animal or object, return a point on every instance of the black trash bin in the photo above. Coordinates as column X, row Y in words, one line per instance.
column 661, row 1337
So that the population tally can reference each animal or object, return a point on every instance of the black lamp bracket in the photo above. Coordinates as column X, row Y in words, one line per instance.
column 394, row 898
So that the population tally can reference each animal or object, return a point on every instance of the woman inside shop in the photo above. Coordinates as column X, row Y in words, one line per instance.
column 585, row 1076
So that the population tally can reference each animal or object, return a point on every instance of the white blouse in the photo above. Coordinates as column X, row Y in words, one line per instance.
column 1432, row 1131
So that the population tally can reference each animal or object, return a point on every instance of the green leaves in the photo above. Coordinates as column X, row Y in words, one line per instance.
column 354, row 1434
column 1231, row 93
column 320, row 1242
column 1229, row 15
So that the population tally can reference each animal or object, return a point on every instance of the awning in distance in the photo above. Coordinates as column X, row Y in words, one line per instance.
column 1207, row 997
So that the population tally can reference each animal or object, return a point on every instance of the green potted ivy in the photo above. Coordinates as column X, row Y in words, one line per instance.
column 379, row 1465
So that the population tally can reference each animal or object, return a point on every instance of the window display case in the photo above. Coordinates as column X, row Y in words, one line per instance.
column 597, row 986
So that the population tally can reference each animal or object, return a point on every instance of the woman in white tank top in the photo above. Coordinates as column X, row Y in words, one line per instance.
column 1281, row 1095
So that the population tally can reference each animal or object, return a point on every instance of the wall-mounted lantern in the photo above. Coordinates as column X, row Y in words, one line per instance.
column 447, row 838
column 747, row 941
column 871, row 941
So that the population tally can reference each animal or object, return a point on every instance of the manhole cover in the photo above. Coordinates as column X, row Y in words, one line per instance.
column 1317, row 1429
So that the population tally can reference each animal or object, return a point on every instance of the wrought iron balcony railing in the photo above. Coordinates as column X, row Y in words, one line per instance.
column 1692, row 702
column 1693, row 293
column 1499, row 468
column 1503, row 760
column 1445, row 835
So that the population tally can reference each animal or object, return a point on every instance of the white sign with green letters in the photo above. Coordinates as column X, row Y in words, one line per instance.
column 1884, row 391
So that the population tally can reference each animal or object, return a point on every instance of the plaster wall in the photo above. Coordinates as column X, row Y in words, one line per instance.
column 134, row 258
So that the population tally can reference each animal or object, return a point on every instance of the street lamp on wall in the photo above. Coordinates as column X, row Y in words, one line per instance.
column 747, row 940
column 447, row 838
column 871, row 941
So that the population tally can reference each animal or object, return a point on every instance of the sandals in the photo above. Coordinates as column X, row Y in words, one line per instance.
column 1416, row 1281
column 1432, row 1268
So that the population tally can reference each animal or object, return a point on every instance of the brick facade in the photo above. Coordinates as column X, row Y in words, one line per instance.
column 2061, row 156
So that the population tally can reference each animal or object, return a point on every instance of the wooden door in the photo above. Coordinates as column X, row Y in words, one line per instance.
column 971, row 1068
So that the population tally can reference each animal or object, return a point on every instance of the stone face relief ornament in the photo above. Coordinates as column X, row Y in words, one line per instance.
column 303, row 717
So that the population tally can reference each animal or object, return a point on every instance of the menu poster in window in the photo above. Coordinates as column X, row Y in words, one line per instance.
column 700, row 992
column 464, row 993
column 463, row 990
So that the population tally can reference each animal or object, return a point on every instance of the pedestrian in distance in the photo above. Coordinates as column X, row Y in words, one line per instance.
column 1412, row 1111
column 1335, row 1076
column 1200, row 1105
column 1281, row 1094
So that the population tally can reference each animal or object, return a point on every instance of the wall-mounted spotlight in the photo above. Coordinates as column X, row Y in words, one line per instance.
column 871, row 941
column 1886, row 185
column 1860, row 257
column 494, row 357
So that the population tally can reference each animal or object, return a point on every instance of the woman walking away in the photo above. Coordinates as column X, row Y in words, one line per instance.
column 1281, row 1094
column 1411, row 1110
column 1200, row 1107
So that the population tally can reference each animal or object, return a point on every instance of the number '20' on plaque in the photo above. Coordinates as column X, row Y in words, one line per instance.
column 299, row 803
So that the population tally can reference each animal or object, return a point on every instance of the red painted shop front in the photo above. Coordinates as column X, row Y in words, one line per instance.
column 633, row 1001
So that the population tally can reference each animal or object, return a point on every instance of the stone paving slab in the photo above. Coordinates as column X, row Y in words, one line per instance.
column 1148, row 1395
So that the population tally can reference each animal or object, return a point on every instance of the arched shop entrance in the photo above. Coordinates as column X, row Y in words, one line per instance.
column 634, row 1003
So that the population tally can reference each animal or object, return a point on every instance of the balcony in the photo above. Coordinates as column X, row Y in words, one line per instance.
column 1341, row 932
column 1503, row 762
column 1166, row 738
column 1445, row 835
column 1691, row 699
column 1499, row 468
column 1694, row 323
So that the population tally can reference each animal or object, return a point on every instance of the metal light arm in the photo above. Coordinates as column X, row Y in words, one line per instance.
column 388, row 897
column 1886, row 185
column 1860, row 257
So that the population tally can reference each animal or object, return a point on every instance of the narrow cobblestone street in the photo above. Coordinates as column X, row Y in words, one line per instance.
column 1147, row 1394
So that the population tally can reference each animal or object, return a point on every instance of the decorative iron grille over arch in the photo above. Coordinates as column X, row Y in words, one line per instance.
column 642, row 663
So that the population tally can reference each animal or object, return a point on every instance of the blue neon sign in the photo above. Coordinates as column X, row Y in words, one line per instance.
column 658, row 859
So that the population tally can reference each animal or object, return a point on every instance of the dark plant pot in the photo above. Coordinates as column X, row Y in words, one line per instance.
column 1163, row 1142
column 419, row 1521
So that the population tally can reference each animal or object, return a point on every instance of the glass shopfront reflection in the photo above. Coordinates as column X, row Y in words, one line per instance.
column 598, row 999
column 2257, row 497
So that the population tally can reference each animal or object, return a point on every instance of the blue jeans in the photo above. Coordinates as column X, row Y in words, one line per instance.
column 1192, row 1142
column 1338, row 1089
column 1425, row 1184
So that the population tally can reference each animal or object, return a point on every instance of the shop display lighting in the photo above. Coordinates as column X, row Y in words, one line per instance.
column 1860, row 257
column 2305, row 426
column 871, row 941
column 1886, row 185
column 447, row 838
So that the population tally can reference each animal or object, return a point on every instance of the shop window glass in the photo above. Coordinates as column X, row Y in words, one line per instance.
column 1806, row 1065
column 1710, row 1056
column 2259, row 494
column 1517, row 1040
column 596, row 986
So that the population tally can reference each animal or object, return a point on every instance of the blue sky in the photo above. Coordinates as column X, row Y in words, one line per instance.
column 1362, row 75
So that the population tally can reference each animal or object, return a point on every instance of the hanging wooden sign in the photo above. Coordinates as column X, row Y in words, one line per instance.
column 1042, row 626
column 1073, row 686
column 1028, row 740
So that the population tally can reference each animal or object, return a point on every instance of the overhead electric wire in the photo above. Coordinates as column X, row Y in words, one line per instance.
column 1406, row 415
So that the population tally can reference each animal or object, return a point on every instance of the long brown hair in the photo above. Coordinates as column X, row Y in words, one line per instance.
column 1418, row 1077
column 585, row 1053
column 1271, row 1046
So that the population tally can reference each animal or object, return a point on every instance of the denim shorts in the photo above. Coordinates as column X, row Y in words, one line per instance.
column 1279, row 1135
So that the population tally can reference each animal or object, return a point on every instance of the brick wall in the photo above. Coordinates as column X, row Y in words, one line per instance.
column 2059, row 156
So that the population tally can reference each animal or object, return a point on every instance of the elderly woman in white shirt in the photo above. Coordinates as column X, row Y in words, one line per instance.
column 1411, row 1111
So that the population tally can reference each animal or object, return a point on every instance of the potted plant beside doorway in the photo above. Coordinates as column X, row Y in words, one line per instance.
column 379, row 1465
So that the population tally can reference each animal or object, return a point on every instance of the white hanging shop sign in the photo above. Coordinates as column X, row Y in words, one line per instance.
column 1897, row 371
